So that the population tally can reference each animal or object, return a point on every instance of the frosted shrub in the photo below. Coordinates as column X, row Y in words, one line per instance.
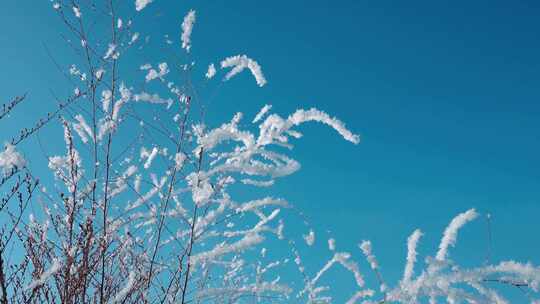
column 142, row 209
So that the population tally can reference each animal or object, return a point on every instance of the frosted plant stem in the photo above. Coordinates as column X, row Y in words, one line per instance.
column 190, row 248
column 107, row 166
column 191, row 238
column 169, row 193
column 3, row 288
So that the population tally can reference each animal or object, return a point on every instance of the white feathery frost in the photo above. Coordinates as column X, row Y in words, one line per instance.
column 106, row 98
column 149, row 156
column 257, row 183
column 201, row 189
column 187, row 28
column 82, row 128
column 360, row 295
column 239, row 63
column 450, row 233
column 141, row 4
column 154, row 74
column 365, row 246
column 125, row 96
column 11, row 159
column 265, row 202
column 152, row 98
column 246, row 242
column 42, row 279
column 273, row 127
column 302, row 116
column 145, row 66
column 211, row 71
column 179, row 159
column 121, row 295
column 332, row 244
column 310, row 238
column 99, row 74
column 77, row 12
column 111, row 52
column 261, row 113
column 134, row 38
column 63, row 166
column 412, row 242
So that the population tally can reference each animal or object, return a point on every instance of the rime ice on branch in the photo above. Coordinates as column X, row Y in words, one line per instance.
column 11, row 159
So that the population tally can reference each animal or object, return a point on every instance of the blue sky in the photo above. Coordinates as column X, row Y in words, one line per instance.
column 444, row 95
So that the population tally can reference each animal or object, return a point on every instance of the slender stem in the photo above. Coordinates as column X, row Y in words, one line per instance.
column 108, row 161
column 190, row 248
column 3, row 286
column 169, row 194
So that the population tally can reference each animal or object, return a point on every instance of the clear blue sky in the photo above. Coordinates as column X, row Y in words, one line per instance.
column 445, row 95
